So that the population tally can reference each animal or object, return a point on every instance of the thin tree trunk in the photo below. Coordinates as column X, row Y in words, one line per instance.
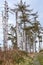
column 35, row 46
column 39, row 46
column 35, row 42
column 30, row 47
column 26, row 44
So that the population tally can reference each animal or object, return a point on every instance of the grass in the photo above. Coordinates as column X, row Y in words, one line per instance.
column 17, row 57
column 40, row 58
column 22, row 58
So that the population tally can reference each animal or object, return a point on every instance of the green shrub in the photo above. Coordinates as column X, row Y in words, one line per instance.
column 40, row 58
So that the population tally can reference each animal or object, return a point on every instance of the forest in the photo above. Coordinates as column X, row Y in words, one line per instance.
column 23, row 36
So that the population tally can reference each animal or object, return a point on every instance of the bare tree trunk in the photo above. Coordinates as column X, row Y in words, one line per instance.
column 39, row 46
column 35, row 43
column 30, row 48
column 26, row 44
column 35, row 46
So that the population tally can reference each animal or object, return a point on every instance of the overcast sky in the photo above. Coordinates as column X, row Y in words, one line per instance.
column 36, row 5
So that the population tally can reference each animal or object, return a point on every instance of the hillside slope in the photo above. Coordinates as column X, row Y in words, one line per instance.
column 38, row 59
column 15, row 57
